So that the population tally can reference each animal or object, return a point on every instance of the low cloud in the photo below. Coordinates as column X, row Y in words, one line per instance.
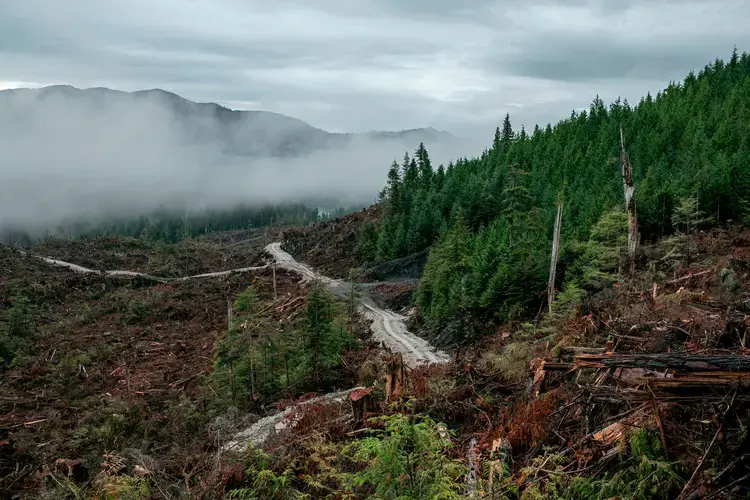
column 97, row 157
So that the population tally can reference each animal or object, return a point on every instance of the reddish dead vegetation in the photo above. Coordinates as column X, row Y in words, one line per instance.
column 330, row 246
column 671, row 356
column 113, row 346
column 527, row 424
column 116, row 357
column 671, row 359
column 169, row 346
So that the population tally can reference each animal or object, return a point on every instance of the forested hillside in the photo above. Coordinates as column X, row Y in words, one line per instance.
column 171, row 225
column 491, row 218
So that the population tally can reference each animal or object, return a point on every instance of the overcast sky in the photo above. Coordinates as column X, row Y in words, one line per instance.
column 356, row 65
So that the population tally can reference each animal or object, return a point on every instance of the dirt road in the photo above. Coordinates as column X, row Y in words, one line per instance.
column 264, row 428
column 387, row 326
column 133, row 274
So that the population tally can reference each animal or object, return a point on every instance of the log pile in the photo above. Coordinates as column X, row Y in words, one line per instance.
column 661, row 377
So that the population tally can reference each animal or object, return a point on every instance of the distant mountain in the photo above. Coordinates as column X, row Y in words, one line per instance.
column 242, row 133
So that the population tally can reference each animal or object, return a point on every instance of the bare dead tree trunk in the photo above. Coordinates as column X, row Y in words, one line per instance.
column 229, row 313
column 275, row 295
column 252, row 369
column 394, row 379
column 555, row 254
column 629, row 188
column 471, row 479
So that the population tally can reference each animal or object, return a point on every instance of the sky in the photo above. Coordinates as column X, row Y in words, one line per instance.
column 353, row 66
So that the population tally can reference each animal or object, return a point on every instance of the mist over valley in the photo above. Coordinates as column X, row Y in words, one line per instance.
column 70, row 155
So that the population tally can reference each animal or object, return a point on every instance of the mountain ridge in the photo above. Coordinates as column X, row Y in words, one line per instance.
column 242, row 132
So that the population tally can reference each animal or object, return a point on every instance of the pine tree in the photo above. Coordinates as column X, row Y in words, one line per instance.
column 393, row 188
column 353, row 296
column 497, row 140
column 319, row 327
column 516, row 199
column 441, row 291
column 507, row 136
column 690, row 138
column 686, row 218
column 425, row 167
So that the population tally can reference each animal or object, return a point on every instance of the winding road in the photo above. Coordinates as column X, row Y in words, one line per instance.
column 134, row 274
column 387, row 327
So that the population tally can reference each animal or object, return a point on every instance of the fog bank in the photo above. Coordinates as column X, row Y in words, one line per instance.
column 63, row 155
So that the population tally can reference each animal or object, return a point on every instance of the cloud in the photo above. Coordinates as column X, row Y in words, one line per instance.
column 68, row 154
column 337, row 64
column 373, row 64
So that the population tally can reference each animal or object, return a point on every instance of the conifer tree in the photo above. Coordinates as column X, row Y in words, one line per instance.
column 506, row 137
column 686, row 218
column 319, row 327
column 425, row 167
column 693, row 136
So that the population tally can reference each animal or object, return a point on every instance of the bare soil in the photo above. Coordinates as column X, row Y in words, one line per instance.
column 331, row 246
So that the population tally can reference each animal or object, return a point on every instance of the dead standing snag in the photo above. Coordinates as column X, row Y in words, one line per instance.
column 629, row 188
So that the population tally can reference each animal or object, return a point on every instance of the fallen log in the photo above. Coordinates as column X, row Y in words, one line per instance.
column 552, row 366
column 581, row 350
column 689, row 276
column 697, row 381
column 610, row 434
column 681, row 361
column 643, row 396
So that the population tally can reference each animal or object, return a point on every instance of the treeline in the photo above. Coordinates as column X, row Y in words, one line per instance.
column 170, row 226
column 489, row 219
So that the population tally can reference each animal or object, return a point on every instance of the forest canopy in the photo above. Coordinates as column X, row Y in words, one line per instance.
column 489, row 220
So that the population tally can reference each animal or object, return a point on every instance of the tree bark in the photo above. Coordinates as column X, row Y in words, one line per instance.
column 394, row 379
column 689, row 362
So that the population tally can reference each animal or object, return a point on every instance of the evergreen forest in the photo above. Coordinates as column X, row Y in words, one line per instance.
column 167, row 225
column 489, row 220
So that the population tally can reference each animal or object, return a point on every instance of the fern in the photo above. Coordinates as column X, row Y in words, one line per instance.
column 642, row 476
column 407, row 460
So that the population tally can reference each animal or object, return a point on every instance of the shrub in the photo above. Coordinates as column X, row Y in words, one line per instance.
column 569, row 300
column 512, row 364
column 137, row 312
column 266, row 484
column 15, row 336
column 408, row 459
column 123, row 488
